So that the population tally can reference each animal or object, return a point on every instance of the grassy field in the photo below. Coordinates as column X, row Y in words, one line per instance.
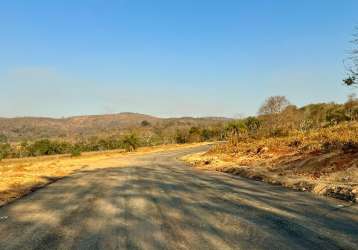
column 323, row 161
column 22, row 176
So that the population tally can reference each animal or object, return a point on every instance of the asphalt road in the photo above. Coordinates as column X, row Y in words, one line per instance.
column 157, row 202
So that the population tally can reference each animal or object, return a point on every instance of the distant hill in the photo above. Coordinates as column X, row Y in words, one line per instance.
column 32, row 128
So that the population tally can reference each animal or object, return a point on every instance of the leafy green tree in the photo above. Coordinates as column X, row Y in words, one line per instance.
column 206, row 134
column 252, row 124
column 236, row 128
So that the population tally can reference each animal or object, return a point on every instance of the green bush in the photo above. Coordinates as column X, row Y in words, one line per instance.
column 3, row 138
column 336, row 115
column 145, row 123
column 252, row 124
column 47, row 147
column 194, row 134
column 180, row 137
column 206, row 134
column 236, row 128
column 130, row 142
column 75, row 151
column 5, row 150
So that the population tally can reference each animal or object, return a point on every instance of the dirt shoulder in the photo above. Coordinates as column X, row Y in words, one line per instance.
column 332, row 172
column 22, row 176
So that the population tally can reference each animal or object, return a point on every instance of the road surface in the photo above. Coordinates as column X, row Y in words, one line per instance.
column 157, row 202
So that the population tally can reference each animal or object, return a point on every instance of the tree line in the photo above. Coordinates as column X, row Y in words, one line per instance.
column 128, row 142
column 276, row 117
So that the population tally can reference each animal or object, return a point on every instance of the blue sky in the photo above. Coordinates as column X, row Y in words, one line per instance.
column 170, row 58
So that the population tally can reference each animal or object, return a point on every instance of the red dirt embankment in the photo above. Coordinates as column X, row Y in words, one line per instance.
column 324, row 161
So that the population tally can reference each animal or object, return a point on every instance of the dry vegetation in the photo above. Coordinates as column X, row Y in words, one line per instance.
column 84, row 128
column 323, row 160
column 22, row 176
column 28, row 137
column 312, row 148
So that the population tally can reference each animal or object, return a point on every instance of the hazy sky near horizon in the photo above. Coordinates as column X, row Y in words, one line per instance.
column 170, row 58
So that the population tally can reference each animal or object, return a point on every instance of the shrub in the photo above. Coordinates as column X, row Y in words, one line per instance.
column 3, row 138
column 236, row 128
column 252, row 124
column 145, row 123
column 206, row 134
column 274, row 105
column 130, row 142
column 5, row 150
column 180, row 137
column 47, row 147
column 75, row 151
column 278, row 132
column 336, row 115
column 194, row 134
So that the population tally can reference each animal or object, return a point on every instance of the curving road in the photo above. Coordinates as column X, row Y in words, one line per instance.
column 157, row 202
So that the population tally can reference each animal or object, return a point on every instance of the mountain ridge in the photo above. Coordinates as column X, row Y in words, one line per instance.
column 32, row 128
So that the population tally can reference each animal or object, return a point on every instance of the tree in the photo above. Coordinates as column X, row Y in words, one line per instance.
column 351, row 107
column 5, row 150
column 206, row 134
column 253, row 124
column 180, row 137
column 3, row 138
column 145, row 123
column 274, row 105
column 130, row 142
column 194, row 134
column 352, row 67
column 235, row 128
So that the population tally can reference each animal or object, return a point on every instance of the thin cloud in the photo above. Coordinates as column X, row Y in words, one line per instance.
column 33, row 73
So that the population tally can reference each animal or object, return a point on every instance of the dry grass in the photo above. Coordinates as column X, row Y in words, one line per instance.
column 21, row 176
column 324, row 161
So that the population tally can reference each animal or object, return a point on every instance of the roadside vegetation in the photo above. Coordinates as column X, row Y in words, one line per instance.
column 313, row 148
column 296, row 147
column 129, row 141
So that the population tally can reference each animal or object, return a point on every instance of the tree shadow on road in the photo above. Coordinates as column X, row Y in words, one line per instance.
column 169, row 207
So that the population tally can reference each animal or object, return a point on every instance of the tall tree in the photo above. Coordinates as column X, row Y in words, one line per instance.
column 352, row 66
column 274, row 105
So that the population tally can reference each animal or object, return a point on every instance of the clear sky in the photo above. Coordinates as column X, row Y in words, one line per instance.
column 170, row 58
